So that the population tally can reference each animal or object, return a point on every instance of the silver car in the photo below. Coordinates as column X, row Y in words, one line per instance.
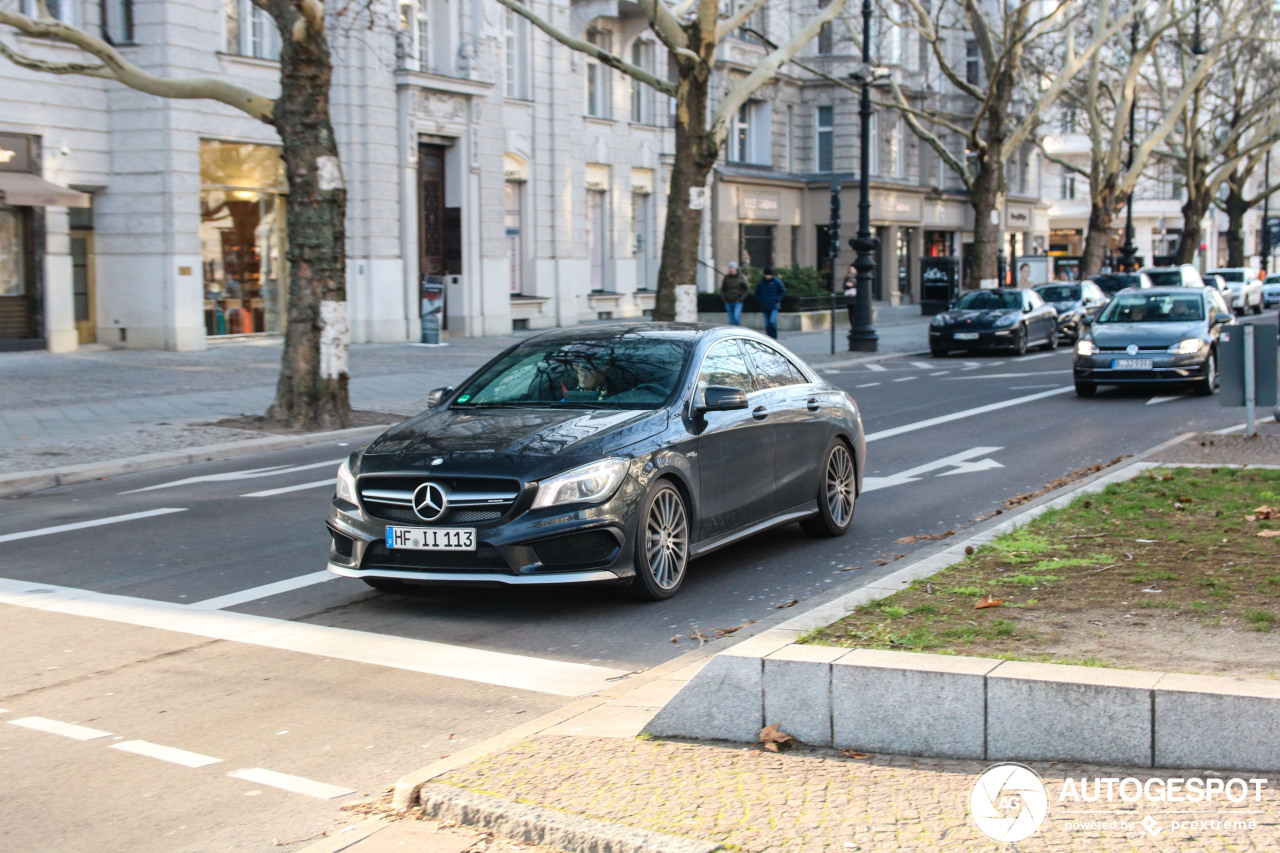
column 1245, row 286
column 1271, row 291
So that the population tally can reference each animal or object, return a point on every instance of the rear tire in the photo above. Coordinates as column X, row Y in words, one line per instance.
column 1206, row 385
column 837, row 494
column 662, row 545
column 1086, row 389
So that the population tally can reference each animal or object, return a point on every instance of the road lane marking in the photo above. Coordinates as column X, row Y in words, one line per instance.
column 940, row 373
column 81, row 525
column 923, row 365
column 1052, row 352
column 245, row 474
column 963, row 463
column 54, row 727
column 314, row 484
column 967, row 413
column 1154, row 400
column 173, row 755
column 1009, row 375
column 876, row 367
column 868, row 385
column 294, row 784
column 504, row 669
column 906, row 379
column 265, row 591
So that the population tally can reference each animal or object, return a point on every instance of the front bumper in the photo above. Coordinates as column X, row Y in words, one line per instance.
column 1097, row 369
column 556, row 545
column 944, row 337
column 1270, row 297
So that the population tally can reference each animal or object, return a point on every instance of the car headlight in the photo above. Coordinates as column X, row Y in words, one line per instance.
column 1190, row 346
column 346, row 489
column 592, row 483
column 941, row 320
column 1085, row 347
column 1006, row 321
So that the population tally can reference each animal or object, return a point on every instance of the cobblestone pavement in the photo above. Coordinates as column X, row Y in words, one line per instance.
column 814, row 800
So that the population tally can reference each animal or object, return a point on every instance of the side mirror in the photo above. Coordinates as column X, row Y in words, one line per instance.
column 1221, row 319
column 435, row 396
column 722, row 398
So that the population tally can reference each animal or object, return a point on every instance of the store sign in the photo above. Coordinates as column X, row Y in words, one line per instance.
column 758, row 204
column 895, row 206
column 15, row 153
column 1018, row 216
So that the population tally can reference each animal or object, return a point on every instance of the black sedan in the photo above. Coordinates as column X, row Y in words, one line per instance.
column 1160, row 334
column 1073, row 300
column 1002, row 318
column 612, row 455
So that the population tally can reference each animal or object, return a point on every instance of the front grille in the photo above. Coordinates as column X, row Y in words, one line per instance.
column 470, row 499
column 579, row 549
column 1141, row 350
column 484, row 558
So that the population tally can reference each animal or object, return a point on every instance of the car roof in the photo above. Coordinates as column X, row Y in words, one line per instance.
column 1160, row 289
column 667, row 330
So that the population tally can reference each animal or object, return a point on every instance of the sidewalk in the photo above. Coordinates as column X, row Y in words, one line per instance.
column 100, row 404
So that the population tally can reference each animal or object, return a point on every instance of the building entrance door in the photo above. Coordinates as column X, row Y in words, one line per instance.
column 431, row 219
column 82, row 286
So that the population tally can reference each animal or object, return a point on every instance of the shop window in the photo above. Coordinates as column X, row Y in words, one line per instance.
column 16, row 315
column 242, row 238
column 755, row 245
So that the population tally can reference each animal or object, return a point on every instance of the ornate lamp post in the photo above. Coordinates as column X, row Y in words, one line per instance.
column 1128, row 252
column 862, row 334
column 833, row 251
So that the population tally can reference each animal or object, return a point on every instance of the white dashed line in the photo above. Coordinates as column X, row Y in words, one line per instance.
column 1155, row 400
column 295, row 784
column 940, row 373
column 264, row 591
column 923, row 365
column 955, row 416
column 876, row 367
column 867, row 385
column 53, row 727
column 906, row 379
column 247, row 474
column 266, row 493
column 81, row 525
column 165, row 753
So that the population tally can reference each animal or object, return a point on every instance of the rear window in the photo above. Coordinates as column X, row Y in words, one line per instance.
column 1111, row 284
column 1228, row 275
column 1166, row 278
column 1059, row 292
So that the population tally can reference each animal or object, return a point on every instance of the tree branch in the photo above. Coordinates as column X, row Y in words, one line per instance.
column 667, row 26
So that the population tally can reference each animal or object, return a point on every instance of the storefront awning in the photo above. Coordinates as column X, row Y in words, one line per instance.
column 19, row 189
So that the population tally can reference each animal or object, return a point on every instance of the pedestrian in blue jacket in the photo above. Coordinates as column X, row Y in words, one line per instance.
column 769, row 293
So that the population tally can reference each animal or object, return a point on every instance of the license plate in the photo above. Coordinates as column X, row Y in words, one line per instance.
column 431, row 538
column 966, row 336
column 1132, row 364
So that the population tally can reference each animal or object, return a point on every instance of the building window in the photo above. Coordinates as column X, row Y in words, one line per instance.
column 896, row 159
column 117, row 21
column 415, row 35
column 242, row 237
column 513, row 220
column 598, row 76
column 826, row 139
column 251, row 31
column 758, row 22
column 642, row 93
column 893, row 43
column 825, row 40
column 597, row 237
column 1068, row 185
column 873, row 146
column 972, row 69
column 62, row 10
column 755, row 245
column 640, row 247
column 749, row 137
column 516, row 55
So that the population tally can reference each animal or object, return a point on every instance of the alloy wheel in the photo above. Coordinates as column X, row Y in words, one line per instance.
column 666, row 539
column 840, row 485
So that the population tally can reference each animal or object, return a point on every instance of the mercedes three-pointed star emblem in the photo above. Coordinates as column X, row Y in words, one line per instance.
column 429, row 501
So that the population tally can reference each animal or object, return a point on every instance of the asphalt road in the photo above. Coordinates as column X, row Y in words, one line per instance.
column 229, row 692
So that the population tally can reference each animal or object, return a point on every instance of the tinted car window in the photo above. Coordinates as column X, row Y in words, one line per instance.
column 725, row 365
column 1154, row 308
column 1229, row 275
column 988, row 300
column 773, row 369
column 1112, row 284
column 1059, row 292
column 1170, row 278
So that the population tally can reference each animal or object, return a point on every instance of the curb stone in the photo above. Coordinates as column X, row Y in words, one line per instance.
column 538, row 825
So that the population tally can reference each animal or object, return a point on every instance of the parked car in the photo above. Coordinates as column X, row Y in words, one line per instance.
column 1073, row 300
column 1246, row 288
column 1182, row 275
column 1219, row 284
column 1000, row 318
column 1271, row 290
column 1113, row 282
column 615, row 454
column 1164, row 334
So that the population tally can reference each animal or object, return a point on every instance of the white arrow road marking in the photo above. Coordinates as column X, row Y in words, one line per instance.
column 81, row 525
column 955, row 416
column 264, row 591
column 314, row 484
column 53, row 727
column 960, row 461
column 247, row 474
column 171, row 754
column 504, row 669
column 295, row 784
column 1154, row 400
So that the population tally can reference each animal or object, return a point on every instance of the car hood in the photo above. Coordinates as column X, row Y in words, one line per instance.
column 469, row 435
column 979, row 319
column 1144, row 334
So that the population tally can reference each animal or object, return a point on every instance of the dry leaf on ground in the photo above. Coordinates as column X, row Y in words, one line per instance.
column 1269, row 533
column 988, row 601
column 849, row 753
column 923, row 537
column 773, row 739
column 1263, row 512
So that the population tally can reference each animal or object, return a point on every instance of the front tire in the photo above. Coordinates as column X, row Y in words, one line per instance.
column 662, row 545
column 938, row 352
column 1086, row 389
column 1209, row 383
column 837, row 494
column 1020, row 341
column 1257, row 309
column 1052, row 343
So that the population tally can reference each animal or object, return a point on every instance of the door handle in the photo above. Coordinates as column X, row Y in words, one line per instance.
column 759, row 413
column 813, row 404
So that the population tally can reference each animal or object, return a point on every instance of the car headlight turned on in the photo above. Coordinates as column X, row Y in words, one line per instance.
column 1190, row 346
column 1086, row 347
column 346, row 489
column 1006, row 321
column 592, row 483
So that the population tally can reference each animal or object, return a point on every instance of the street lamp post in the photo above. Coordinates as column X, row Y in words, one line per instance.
column 1266, row 213
column 862, row 334
column 833, row 251
column 1128, row 252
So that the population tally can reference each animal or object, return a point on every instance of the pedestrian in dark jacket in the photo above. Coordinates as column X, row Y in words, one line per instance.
column 734, row 288
column 769, row 293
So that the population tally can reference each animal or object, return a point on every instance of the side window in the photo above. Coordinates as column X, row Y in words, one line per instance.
column 773, row 369
column 1033, row 301
column 724, row 365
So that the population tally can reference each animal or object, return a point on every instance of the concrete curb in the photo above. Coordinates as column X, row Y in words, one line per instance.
column 538, row 825
column 34, row 481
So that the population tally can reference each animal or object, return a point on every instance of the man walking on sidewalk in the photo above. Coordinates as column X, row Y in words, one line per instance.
column 733, row 289
column 769, row 293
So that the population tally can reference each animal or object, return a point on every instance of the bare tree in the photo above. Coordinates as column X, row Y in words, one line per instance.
column 691, row 31
column 998, row 102
column 312, row 389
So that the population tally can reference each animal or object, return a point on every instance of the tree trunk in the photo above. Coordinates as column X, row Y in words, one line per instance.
column 1237, row 207
column 1193, row 211
column 312, row 390
column 986, row 198
column 694, row 157
column 1097, row 239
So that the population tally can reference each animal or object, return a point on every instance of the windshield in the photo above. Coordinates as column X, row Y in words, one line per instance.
column 988, row 300
column 1154, row 308
column 626, row 372
column 1166, row 278
column 1059, row 292
column 1112, row 284
column 1229, row 275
